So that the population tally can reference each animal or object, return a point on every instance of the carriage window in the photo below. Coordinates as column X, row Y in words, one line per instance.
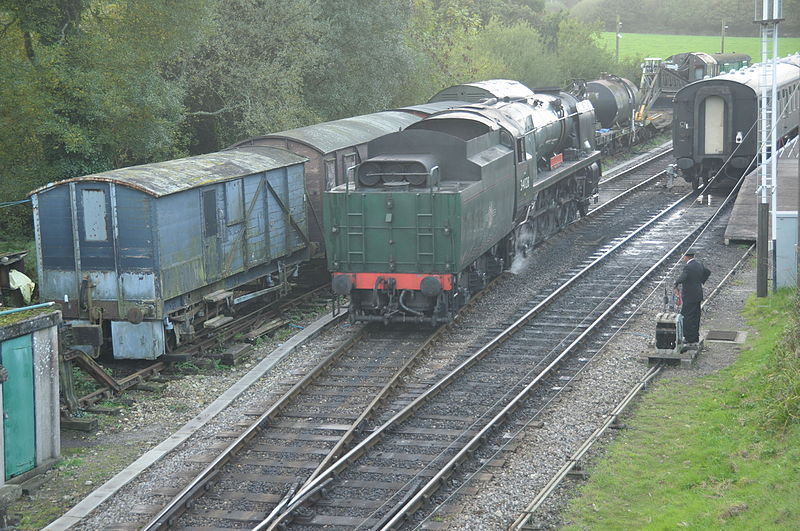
column 234, row 202
column 95, row 224
column 210, row 212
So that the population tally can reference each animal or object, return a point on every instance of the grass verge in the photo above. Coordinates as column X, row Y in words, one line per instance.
column 655, row 45
column 723, row 451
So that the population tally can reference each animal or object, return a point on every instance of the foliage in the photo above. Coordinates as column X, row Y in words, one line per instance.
column 91, row 85
column 365, row 61
column 713, row 454
column 781, row 379
column 246, row 78
column 530, row 64
column 84, row 90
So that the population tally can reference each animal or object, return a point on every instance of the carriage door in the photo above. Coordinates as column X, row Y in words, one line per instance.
column 19, row 428
column 210, row 235
column 714, row 131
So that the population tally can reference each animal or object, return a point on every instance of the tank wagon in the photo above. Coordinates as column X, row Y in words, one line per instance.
column 715, row 125
column 148, row 253
column 441, row 207
column 615, row 100
column 333, row 148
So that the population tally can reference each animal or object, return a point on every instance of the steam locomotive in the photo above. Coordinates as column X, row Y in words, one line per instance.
column 440, row 208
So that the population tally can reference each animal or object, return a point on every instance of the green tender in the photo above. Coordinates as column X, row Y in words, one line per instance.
column 420, row 230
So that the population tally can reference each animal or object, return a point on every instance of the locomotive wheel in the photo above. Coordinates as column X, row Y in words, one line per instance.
column 569, row 213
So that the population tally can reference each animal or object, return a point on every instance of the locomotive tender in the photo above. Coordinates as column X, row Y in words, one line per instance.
column 715, row 127
column 443, row 206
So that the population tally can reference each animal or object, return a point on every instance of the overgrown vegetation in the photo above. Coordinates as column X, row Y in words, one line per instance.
column 91, row 85
column 780, row 377
column 723, row 451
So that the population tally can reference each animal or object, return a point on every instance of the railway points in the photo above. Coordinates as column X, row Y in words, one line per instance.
column 98, row 496
column 147, row 503
column 580, row 231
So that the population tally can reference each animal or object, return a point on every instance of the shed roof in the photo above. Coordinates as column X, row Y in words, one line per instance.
column 164, row 178
column 338, row 134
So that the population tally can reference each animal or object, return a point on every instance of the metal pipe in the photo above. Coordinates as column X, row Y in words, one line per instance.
column 25, row 308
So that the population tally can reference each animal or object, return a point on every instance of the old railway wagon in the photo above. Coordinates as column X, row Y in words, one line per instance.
column 145, row 254
column 332, row 148
column 441, row 207
column 715, row 128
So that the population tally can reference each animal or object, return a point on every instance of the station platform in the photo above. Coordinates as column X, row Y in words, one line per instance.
column 743, row 223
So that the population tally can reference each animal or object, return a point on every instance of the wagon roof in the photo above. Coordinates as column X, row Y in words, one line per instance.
column 164, row 178
column 479, row 90
column 339, row 134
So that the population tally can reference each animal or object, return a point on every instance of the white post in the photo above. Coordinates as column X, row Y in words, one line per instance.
column 774, row 114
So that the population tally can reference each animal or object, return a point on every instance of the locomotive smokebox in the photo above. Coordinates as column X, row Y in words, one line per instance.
column 614, row 99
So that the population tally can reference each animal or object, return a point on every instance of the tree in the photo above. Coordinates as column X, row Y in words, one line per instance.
column 86, row 90
column 248, row 76
column 366, row 61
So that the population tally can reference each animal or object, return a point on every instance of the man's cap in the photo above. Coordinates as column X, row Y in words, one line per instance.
column 689, row 252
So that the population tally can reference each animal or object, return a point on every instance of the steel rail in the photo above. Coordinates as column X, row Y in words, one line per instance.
column 573, row 460
column 307, row 491
column 557, row 478
column 470, row 447
column 173, row 510
column 168, row 515
column 636, row 166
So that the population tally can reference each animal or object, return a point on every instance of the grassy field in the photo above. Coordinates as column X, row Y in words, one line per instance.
column 654, row 45
column 723, row 451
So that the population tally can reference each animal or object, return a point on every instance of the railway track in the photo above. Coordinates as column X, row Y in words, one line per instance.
column 289, row 469
column 249, row 324
column 525, row 519
column 393, row 473
column 300, row 434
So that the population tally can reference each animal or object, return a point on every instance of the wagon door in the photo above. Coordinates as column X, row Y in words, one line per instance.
column 19, row 430
column 211, row 259
column 714, row 131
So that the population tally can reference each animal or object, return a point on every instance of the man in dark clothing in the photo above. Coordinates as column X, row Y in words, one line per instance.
column 691, row 279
